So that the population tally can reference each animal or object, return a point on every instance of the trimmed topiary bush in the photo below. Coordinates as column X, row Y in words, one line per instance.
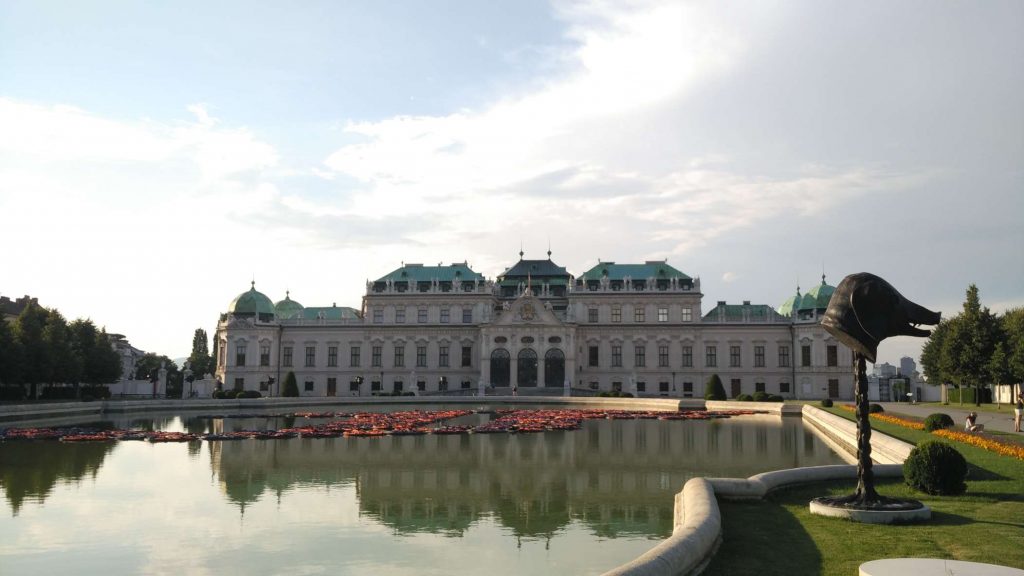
column 776, row 398
column 745, row 398
column 875, row 408
column 827, row 402
column 249, row 394
column 936, row 468
column 291, row 387
column 937, row 421
column 714, row 389
column 760, row 396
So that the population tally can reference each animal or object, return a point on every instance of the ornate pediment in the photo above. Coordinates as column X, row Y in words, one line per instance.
column 527, row 310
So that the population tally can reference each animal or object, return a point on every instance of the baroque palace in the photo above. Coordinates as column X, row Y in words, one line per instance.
column 635, row 328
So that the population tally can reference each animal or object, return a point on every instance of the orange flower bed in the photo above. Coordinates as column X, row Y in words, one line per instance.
column 890, row 419
column 989, row 444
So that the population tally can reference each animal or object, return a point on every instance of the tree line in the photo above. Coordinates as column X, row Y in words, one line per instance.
column 976, row 347
column 41, row 347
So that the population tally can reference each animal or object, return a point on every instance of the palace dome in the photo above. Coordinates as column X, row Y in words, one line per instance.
column 251, row 302
column 821, row 293
column 288, row 308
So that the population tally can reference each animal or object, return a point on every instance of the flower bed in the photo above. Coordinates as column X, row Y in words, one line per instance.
column 987, row 443
column 974, row 439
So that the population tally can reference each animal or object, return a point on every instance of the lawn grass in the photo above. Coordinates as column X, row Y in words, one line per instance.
column 778, row 535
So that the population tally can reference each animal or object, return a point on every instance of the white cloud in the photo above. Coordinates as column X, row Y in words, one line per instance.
column 729, row 277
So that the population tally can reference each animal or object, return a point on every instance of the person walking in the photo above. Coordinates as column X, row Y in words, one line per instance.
column 1018, row 411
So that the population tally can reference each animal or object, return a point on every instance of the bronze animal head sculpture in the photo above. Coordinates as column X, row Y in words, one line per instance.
column 865, row 309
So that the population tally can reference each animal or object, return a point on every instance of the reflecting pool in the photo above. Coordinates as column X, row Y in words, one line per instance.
column 576, row 502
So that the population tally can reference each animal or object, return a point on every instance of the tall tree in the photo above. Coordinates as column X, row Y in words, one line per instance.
column 1013, row 332
column 11, row 360
column 107, row 367
column 199, row 360
column 931, row 354
column 36, row 367
column 969, row 345
column 66, row 363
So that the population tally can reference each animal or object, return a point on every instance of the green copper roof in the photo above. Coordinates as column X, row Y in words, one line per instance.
column 652, row 269
column 330, row 313
column 421, row 273
column 734, row 312
column 288, row 308
column 792, row 302
column 251, row 302
column 822, row 293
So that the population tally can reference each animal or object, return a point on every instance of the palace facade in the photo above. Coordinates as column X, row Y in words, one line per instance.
column 447, row 329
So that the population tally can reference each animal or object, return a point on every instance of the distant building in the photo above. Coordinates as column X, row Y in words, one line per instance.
column 884, row 370
column 129, row 354
column 630, row 327
column 908, row 368
column 11, row 309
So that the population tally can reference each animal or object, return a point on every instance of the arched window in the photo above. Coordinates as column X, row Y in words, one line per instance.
column 554, row 368
column 526, row 369
column 500, row 367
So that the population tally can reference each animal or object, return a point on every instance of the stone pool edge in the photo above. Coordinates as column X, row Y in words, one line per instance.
column 697, row 529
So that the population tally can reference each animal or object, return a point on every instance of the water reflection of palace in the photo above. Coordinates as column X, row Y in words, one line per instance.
column 614, row 476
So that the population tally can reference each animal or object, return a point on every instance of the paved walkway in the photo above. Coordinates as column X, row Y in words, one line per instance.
column 1001, row 421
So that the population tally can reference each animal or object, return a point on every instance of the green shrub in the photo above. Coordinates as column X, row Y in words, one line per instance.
column 875, row 408
column 714, row 389
column 827, row 402
column 745, row 398
column 249, row 394
column 760, row 396
column 953, row 396
column 937, row 421
column 291, row 387
column 936, row 468
column 776, row 398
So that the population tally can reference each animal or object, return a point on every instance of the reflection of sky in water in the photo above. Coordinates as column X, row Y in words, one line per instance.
column 573, row 502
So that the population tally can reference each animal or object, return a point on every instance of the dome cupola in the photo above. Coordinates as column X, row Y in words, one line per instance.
column 251, row 303
column 287, row 309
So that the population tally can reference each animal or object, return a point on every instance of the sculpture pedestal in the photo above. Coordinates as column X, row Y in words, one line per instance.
column 891, row 512
column 933, row 567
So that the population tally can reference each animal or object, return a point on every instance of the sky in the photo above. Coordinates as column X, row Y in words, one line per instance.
column 155, row 158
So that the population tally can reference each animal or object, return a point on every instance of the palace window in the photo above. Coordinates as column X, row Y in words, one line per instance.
column 400, row 316
column 688, row 387
column 264, row 354
column 353, row 358
column 805, row 355
column 687, row 356
column 616, row 313
column 592, row 315
column 375, row 353
column 640, row 355
column 734, row 356
column 240, row 354
column 663, row 314
column 442, row 356
column 467, row 315
column 399, row 355
column 310, row 356
column 421, row 315
column 687, row 315
column 639, row 314
column 783, row 387
column 445, row 313
column 616, row 356
column 832, row 353
column 467, row 356
column 593, row 356
column 759, row 356
column 758, row 386
column 286, row 356
column 711, row 356
column 783, row 356
column 421, row 356
column 332, row 356
column 378, row 315
column 309, row 385
column 663, row 356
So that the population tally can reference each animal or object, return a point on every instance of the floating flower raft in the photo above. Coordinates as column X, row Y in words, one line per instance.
column 376, row 424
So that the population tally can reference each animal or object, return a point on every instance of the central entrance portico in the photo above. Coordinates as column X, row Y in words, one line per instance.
column 528, row 345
